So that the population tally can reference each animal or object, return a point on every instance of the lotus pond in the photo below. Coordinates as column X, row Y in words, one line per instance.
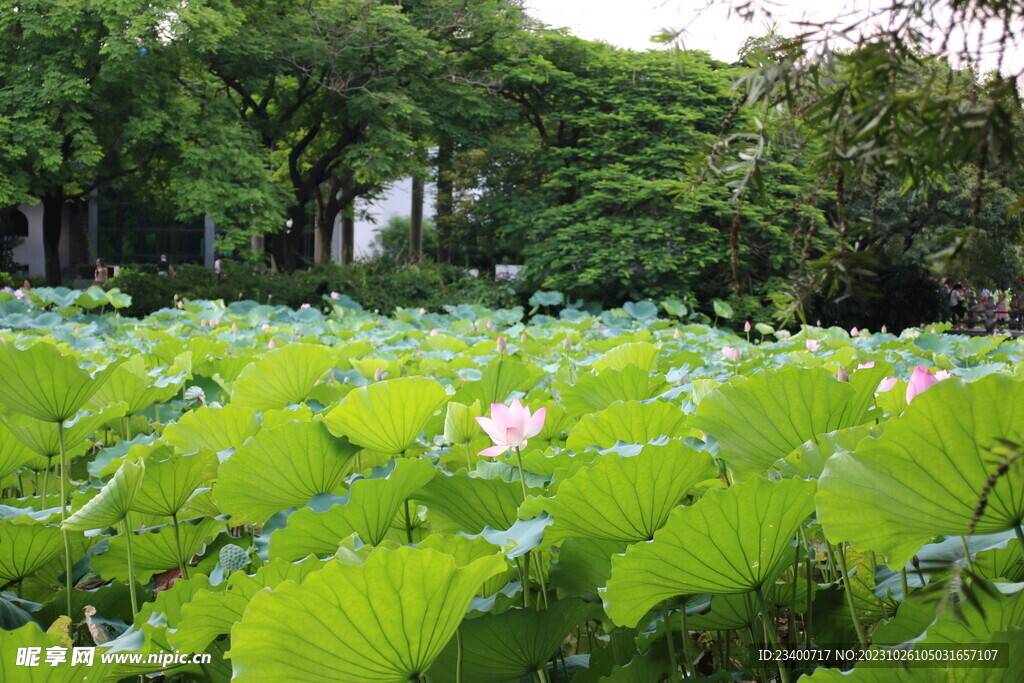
column 301, row 494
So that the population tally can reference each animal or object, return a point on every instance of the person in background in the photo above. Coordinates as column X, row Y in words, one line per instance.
column 218, row 265
column 26, row 286
column 956, row 302
column 101, row 275
column 163, row 266
column 1002, row 309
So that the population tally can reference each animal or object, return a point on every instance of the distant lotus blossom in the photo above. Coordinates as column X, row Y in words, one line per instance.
column 202, row 322
column 234, row 327
column 378, row 375
column 746, row 326
column 600, row 327
column 884, row 329
column 842, row 375
column 923, row 379
column 422, row 311
column 304, row 306
column 215, row 322
column 181, row 304
column 731, row 354
column 812, row 345
column 490, row 324
column 567, row 343
column 510, row 427
column 865, row 366
column 335, row 295
column 854, row 332
column 433, row 332
column 522, row 337
column 676, row 334
column 175, row 297
column 265, row 326
column 934, row 331
column 271, row 344
column 885, row 385
column 502, row 344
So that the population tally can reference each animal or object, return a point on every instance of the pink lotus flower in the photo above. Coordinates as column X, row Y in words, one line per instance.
column 215, row 322
column 422, row 311
column 378, row 374
column 433, row 332
column 921, row 380
column 510, row 427
column 884, row 329
column 202, row 322
column 842, row 375
column 304, row 306
column 522, row 338
column 730, row 353
column 812, row 345
column 885, row 385
column 271, row 344
column 865, row 366
column 502, row 344
column 567, row 343
column 746, row 326
column 181, row 304
column 234, row 327
column 677, row 334
column 335, row 295
column 854, row 332
column 265, row 326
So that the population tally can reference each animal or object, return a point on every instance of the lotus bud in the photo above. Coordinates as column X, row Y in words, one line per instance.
column 265, row 326
column 865, row 366
column 490, row 324
column 854, row 332
column 676, row 334
column 885, row 385
column 378, row 375
column 234, row 327
column 304, row 306
column 215, row 322
column 423, row 311
column 434, row 332
column 175, row 297
column 884, row 329
column 812, row 345
column 934, row 331
column 522, row 337
column 271, row 344
column 202, row 322
column 842, row 375
column 567, row 343
column 600, row 327
column 335, row 295
column 181, row 304
column 746, row 326
column 817, row 323
column 502, row 345
column 731, row 354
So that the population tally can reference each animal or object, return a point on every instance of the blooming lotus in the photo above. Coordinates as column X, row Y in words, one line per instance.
column 812, row 345
column 304, row 306
column 265, row 326
column 730, row 353
column 922, row 379
column 510, row 427
column 865, row 366
column 335, row 295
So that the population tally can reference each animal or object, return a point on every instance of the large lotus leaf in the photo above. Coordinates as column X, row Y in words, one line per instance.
column 280, row 468
column 499, row 380
column 25, row 546
column 460, row 425
column 621, row 498
column 808, row 460
column 583, row 565
column 216, row 429
column 44, row 437
column 388, row 619
column 641, row 354
column 630, row 422
column 133, row 384
column 511, row 645
column 371, row 505
column 465, row 549
column 591, row 393
column 925, row 474
column 731, row 541
column 112, row 503
column 764, row 418
column 1001, row 564
column 728, row 612
column 154, row 550
column 31, row 636
column 387, row 416
column 467, row 503
column 13, row 452
column 46, row 384
column 170, row 482
column 211, row 614
column 283, row 376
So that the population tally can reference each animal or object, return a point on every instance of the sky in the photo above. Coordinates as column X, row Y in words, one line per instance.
column 707, row 23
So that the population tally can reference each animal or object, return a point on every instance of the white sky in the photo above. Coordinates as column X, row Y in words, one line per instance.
column 708, row 24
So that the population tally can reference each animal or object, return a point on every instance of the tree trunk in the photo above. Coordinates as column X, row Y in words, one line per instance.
column 53, row 219
column 416, row 222
column 445, row 202
column 327, row 207
column 348, row 234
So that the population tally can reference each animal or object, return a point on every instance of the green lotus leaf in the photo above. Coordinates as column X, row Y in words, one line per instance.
column 280, row 468
column 13, row 452
column 675, row 307
column 728, row 612
column 369, row 509
column 282, row 376
column 465, row 550
column 216, row 429
column 643, row 355
column 387, row 416
column 621, row 498
column 1001, row 564
column 368, row 366
column 112, row 503
column 170, row 482
column 44, row 383
column 133, row 385
column 731, row 541
column 460, row 425
column 210, row 614
column 499, row 380
column 924, row 476
column 511, row 645
column 765, row 417
column 808, row 460
column 31, row 636
column 722, row 309
column 583, row 565
column 154, row 550
column 591, row 393
column 44, row 437
column 25, row 546
column 467, row 503
column 389, row 619
column 631, row 422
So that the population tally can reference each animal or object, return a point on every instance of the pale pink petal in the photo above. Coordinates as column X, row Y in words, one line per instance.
column 885, row 385
column 497, row 435
column 865, row 366
column 921, row 379
column 502, row 416
column 943, row 374
column 514, row 437
column 536, row 424
column 493, row 451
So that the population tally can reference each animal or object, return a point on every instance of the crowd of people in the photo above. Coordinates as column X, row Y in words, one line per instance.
column 970, row 307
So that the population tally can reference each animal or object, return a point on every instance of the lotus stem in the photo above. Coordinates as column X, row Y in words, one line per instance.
column 849, row 599
column 522, row 472
column 769, row 630
column 458, row 656
column 540, row 579
column 131, row 564
column 177, row 546
column 1020, row 536
column 967, row 553
column 525, row 580
column 673, row 662
column 469, row 459
column 808, row 614
column 408, row 523
column 903, row 583
column 64, row 478
column 46, row 485
column 689, row 664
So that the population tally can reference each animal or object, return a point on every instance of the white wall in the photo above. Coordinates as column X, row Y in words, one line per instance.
column 396, row 201
column 30, row 251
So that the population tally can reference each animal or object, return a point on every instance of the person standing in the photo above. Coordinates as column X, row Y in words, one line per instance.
column 956, row 302
column 163, row 266
column 101, row 275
